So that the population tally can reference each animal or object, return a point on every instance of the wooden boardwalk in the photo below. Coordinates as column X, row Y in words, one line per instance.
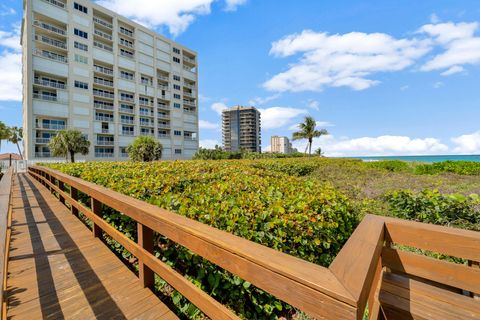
column 58, row 270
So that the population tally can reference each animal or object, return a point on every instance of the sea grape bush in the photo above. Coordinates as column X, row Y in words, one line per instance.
column 457, row 167
column 256, row 200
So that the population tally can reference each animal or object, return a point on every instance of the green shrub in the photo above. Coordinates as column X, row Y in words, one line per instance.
column 457, row 167
column 390, row 165
column 430, row 206
column 255, row 200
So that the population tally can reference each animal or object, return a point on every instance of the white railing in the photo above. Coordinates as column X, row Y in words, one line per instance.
column 127, row 133
column 50, row 41
column 163, row 106
column 49, row 27
column 126, row 32
column 126, row 121
column 127, row 110
column 102, row 34
column 103, row 106
column 187, row 138
column 49, row 83
column 104, row 94
column 56, row 3
column 188, row 94
column 145, row 103
column 42, row 155
column 144, row 133
column 129, row 99
column 126, row 43
column 103, row 70
column 45, row 97
column 163, row 115
column 146, row 113
column 190, row 60
column 51, row 126
column 42, row 140
column 104, row 155
column 189, row 111
column 164, row 126
column 163, row 135
column 103, row 118
column 102, row 22
column 163, row 87
column 160, row 77
column 103, row 46
column 189, row 85
column 105, row 143
column 189, row 103
column 146, row 123
column 104, row 82
column 50, row 55
column 126, row 54
column 124, row 155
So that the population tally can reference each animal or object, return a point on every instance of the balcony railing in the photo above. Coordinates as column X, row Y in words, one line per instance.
column 189, row 103
column 124, row 155
column 125, row 43
column 49, row 83
column 56, row 3
column 127, row 133
column 149, row 134
column 126, row 121
column 45, row 97
column 49, row 27
column 103, row 118
column 102, row 22
column 128, row 99
column 42, row 155
column 188, row 138
column 105, row 143
column 145, row 103
column 103, row 106
column 103, row 94
column 163, row 87
column 163, row 115
column 127, row 110
column 164, row 126
column 42, row 140
column 51, row 42
column 51, row 126
column 162, row 77
column 163, row 135
column 189, row 85
column 103, row 82
column 146, row 113
column 189, row 111
column 104, row 155
column 50, row 55
column 189, row 60
column 163, row 106
column 103, row 34
column 146, row 123
column 126, row 32
column 126, row 54
column 103, row 70
column 103, row 46
column 188, row 94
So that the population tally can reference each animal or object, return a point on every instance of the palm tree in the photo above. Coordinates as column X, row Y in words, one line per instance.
column 145, row 148
column 15, row 136
column 69, row 142
column 4, row 133
column 308, row 131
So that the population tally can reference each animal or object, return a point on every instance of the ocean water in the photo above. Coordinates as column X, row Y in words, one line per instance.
column 427, row 159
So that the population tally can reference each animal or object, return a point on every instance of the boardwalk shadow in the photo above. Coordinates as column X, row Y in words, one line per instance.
column 100, row 301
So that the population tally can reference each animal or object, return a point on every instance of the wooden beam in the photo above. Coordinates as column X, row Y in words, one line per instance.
column 145, row 240
column 6, row 184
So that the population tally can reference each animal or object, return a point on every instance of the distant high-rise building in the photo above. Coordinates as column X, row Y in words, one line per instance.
column 241, row 129
column 280, row 145
column 88, row 68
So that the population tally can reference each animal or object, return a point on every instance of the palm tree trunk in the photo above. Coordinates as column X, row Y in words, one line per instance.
column 19, row 151
column 72, row 156
column 310, row 146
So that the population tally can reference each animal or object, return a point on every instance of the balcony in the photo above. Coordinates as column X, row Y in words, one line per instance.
column 146, row 103
column 127, row 110
column 56, row 3
column 105, row 143
column 189, row 103
column 188, row 94
column 163, row 106
column 102, row 35
column 49, row 83
column 104, row 155
column 50, row 55
column 103, row 70
column 103, row 118
column 103, row 94
column 125, row 43
column 51, row 126
column 189, row 138
column 127, row 133
column 163, row 115
column 42, row 140
column 162, row 77
column 189, row 60
column 103, row 106
column 103, row 82
column 103, row 46
column 149, row 134
column 189, row 111
column 126, row 98
column 126, row 121
column 46, row 97
column 50, row 27
column 127, row 54
column 126, row 32
column 102, row 22
column 164, row 126
column 146, row 123
column 124, row 154
column 163, row 87
column 51, row 42
column 42, row 155
column 163, row 135
column 146, row 113
column 189, row 85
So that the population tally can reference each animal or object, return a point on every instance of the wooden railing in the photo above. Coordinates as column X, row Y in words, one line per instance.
column 5, row 231
column 342, row 291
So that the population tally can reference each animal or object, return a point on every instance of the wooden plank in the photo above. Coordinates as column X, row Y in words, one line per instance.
column 373, row 303
column 5, row 203
column 145, row 240
column 452, row 274
column 451, row 241
column 355, row 265
column 307, row 286
column 97, row 210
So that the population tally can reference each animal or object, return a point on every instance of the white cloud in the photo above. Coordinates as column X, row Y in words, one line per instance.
column 231, row 5
column 203, row 124
column 467, row 143
column 452, row 70
column 460, row 44
column 376, row 146
column 209, row 143
column 277, row 117
column 313, row 104
column 434, row 18
column 11, row 65
column 341, row 59
column 405, row 87
column 6, row 11
column 218, row 107
column 258, row 101
column 438, row 84
column 320, row 124
column 175, row 14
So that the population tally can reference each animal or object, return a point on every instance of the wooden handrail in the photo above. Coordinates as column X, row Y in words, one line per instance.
column 341, row 291
column 5, row 211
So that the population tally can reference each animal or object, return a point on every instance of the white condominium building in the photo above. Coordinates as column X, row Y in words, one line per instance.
column 280, row 145
column 87, row 68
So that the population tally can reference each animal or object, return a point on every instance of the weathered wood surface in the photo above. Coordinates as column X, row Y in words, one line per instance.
column 58, row 270
column 5, row 191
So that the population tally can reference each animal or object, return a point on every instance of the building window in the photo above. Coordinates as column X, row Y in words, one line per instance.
column 178, row 151
column 81, row 59
column 176, row 96
column 79, row 7
column 176, row 87
column 127, row 75
column 175, row 59
column 177, row 132
column 177, row 105
column 127, row 130
column 80, row 33
column 176, row 77
column 80, row 46
column 126, row 53
column 176, row 50
column 81, row 85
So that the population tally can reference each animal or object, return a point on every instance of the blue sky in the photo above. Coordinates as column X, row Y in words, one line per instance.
column 384, row 77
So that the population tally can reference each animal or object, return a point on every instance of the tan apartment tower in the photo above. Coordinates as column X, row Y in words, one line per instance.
column 241, row 129
column 88, row 68
column 280, row 145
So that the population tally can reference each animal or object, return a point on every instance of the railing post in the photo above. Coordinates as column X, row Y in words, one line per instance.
column 97, row 209
column 145, row 240
column 61, row 186
column 474, row 264
column 74, row 195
